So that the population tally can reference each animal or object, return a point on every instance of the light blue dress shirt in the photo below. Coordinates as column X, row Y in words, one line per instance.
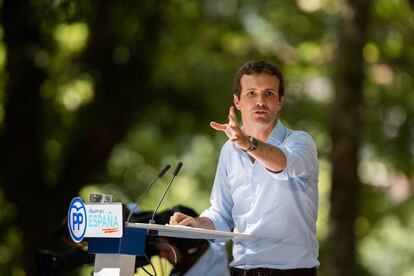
column 279, row 209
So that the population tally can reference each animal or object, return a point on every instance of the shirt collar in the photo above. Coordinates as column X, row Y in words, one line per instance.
column 278, row 134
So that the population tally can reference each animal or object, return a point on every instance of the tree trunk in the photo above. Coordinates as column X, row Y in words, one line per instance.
column 21, row 142
column 100, row 126
column 345, row 130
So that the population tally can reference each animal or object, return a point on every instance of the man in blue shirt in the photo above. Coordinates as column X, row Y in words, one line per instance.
column 266, row 182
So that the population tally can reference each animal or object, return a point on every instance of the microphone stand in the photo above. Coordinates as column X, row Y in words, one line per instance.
column 161, row 174
column 177, row 169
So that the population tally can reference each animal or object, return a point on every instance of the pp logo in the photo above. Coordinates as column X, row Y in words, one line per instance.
column 77, row 219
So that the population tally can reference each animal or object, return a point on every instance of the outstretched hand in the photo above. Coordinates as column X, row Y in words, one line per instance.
column 232, row 130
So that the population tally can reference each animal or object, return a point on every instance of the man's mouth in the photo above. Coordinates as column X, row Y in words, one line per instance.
column 260, row 112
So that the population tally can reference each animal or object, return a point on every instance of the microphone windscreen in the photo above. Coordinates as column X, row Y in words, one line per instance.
column 166, row 168
column 178, row 168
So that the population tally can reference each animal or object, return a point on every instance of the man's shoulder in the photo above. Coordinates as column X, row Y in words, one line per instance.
column 228, row 146
column 226, row 150
column 298, row 136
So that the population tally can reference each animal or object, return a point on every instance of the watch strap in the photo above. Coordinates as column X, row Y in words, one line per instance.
column 253, row 143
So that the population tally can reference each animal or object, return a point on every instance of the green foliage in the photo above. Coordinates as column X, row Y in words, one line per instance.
column 130, row 86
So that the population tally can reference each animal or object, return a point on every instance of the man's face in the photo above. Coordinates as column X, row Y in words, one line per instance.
column 259, row 101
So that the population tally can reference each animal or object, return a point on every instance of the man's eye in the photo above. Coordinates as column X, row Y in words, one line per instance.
column 250, row 93
column 270, row 93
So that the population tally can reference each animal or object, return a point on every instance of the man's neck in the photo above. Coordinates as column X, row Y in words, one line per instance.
column 259, row 132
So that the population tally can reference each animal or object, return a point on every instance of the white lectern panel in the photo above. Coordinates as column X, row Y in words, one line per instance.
column 180, row 231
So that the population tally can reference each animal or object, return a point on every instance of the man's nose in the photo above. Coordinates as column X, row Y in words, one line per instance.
column 260, row 100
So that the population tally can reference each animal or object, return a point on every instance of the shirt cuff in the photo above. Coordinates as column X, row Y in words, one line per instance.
column 217, row 220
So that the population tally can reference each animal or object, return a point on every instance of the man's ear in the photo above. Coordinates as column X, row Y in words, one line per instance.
column 281, row 102
column 236, row 102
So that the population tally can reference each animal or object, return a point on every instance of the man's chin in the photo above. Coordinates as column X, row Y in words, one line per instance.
column 261, row 124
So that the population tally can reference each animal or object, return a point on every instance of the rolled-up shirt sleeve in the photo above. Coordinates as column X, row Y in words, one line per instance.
column 301, row 157
column 221, row 201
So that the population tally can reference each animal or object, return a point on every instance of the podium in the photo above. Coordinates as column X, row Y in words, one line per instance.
column 116, row 244
column 116, row 257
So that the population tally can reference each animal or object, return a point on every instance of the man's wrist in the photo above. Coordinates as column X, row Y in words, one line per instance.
column 205, row 223
column 246, row 145
column 252, row 144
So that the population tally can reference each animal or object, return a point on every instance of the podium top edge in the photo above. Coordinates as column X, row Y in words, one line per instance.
column 184, row 231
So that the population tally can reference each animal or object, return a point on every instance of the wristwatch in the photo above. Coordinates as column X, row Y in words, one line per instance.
column 253, row 144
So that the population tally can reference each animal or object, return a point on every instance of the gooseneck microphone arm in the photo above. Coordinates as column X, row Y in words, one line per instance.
column 176, row 171
column 161, row 174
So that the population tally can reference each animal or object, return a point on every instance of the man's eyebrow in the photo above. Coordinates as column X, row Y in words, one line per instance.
column 268, row 89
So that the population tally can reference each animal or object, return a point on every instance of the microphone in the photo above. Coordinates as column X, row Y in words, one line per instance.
column 161, row 174
column 176, row 171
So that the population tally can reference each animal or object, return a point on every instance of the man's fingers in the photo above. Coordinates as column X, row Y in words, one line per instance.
column 188, row 221
column 235, row 129
column 232, row 117
column 218, row 126
column 232, row 121
column 233, row 113
column 177, row 217
column 232, row 129
column 182, row 219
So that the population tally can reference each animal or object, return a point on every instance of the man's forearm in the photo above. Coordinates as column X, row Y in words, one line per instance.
column 272, row 157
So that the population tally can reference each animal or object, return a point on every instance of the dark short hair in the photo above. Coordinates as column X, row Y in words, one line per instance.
column 258, row 67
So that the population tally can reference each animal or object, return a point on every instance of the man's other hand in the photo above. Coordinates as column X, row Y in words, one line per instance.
column 198, row 222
